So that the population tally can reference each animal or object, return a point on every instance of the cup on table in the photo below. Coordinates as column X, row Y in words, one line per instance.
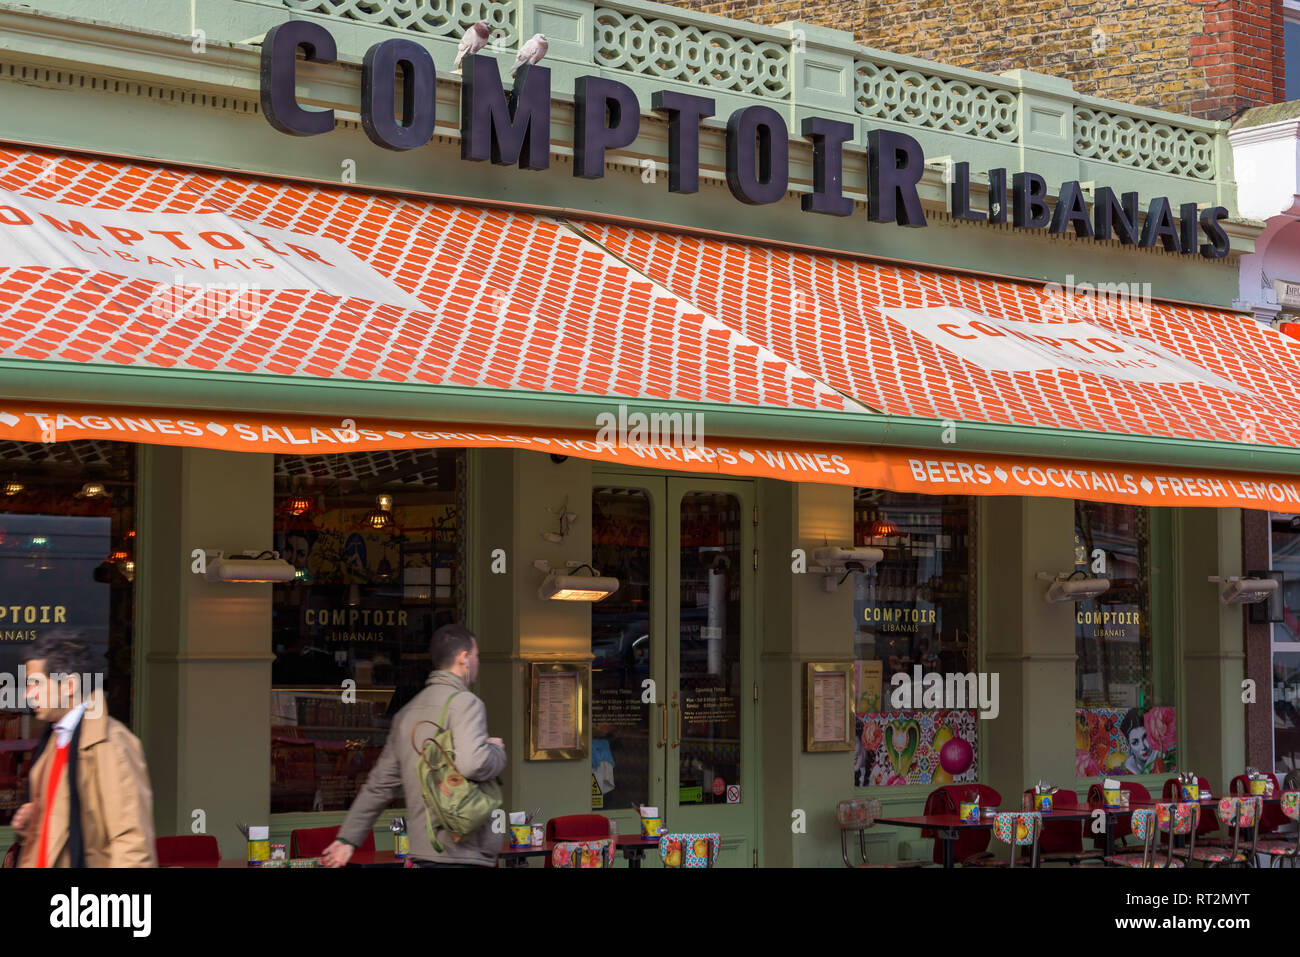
column 1259, row 787
column 521, row 835
column 1114, row 797
column 1191, row 792
column 969, row 811
column 539, row 835
column 1043, row 802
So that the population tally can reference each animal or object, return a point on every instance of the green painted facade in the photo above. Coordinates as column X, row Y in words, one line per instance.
column 140, row 80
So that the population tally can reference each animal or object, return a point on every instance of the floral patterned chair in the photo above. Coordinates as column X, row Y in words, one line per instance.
column 1280, row 850
column 1236, row 814
column 583, row 853
column 1174, row 819
column 1062, row 841
column 689, row 850
column 858, row 815
column 1019, row 829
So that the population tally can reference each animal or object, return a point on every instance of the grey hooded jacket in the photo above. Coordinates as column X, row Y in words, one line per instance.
column 399, row 765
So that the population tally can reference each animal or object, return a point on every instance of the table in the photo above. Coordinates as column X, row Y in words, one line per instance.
column 948, row 826
column 359, row 859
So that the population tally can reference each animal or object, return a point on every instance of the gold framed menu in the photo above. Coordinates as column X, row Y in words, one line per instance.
column 828, row 706
column 557, row 709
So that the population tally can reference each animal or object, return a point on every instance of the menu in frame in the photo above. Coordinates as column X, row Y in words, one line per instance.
column 828, row 706
column 556, row 709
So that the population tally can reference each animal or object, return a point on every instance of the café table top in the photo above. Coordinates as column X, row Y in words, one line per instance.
column 1081, row 812
column 389, row 859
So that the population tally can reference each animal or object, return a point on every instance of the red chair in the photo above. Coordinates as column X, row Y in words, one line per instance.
column 1273, row 818
column 187, row 850
column 1208, row 822
column 1062, row 840
column 971, row 846
column 311, row 841
column 1137, row 796
column 577, row 827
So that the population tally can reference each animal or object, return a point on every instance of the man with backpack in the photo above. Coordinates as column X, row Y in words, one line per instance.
column 411, row 756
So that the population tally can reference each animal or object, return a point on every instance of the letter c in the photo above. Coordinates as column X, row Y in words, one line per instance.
column 280, row 71
column 950, row 327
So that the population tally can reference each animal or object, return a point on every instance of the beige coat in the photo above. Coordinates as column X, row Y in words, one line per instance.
column 399, row 767
column 116, row 801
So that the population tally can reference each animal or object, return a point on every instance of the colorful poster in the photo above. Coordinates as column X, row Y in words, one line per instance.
column 1115, row 741
column 915, row 747
column 867, row 679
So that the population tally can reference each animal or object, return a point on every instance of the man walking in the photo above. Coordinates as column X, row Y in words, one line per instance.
column 478, row 758
column 91, row 805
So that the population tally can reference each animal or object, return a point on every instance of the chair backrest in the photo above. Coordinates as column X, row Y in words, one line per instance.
column 1238, row 811
column 1292, row 781
column 947, row 800
column 577, row 827
column 311, row 841
column 186, row 849
column 1179, row 818
column 1017, row 827
column 689, row 850
column 1291, row 804
column 583, row 853
column 858, row 814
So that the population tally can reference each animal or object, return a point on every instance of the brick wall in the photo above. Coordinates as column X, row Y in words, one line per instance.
column 1206, row 58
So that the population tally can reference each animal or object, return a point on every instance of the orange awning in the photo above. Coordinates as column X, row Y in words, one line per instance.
column 115, row 264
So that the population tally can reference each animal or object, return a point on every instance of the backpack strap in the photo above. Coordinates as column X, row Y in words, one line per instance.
column 442, row 721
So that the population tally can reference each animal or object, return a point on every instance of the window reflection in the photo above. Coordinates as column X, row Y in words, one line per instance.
column 67, row 568
column 912, row 616
column 376, row 541
column 620, row 646
column 709, row 647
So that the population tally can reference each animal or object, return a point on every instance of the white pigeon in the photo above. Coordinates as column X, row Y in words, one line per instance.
column 531, row 52
column 475, row 39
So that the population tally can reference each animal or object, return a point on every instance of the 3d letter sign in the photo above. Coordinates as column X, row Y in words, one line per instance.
column 515, row 128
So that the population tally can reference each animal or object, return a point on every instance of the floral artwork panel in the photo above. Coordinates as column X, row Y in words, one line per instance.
column 915, row 747
column 1124, row 741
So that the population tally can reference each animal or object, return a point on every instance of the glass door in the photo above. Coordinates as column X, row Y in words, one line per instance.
column 673, row 677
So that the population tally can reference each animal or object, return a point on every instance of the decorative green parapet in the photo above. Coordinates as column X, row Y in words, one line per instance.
column 735, row 60
column 1018, row 119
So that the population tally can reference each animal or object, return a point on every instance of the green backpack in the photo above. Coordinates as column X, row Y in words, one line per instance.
column 460, row 805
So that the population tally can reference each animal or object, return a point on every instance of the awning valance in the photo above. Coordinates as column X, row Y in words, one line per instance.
column 931, row 473
column 112, row 264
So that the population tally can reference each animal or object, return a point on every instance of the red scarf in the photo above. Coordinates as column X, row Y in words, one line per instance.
column 51, row 790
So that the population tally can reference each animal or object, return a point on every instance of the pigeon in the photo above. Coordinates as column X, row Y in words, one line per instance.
column 531, row 52
column 475, row 39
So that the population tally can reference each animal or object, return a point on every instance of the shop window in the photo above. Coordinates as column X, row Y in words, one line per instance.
column 620, row 647
column 913, row 616
column 67, row 567
column 376, row 539
column 1286, row 646
column 1124, row 714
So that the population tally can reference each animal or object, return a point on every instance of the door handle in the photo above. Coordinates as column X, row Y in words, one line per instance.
column 663, row 740
column 679, row 724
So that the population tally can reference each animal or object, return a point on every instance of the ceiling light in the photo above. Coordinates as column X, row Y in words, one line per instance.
column 381, row 516
column 14, row 487
column 93, row 490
